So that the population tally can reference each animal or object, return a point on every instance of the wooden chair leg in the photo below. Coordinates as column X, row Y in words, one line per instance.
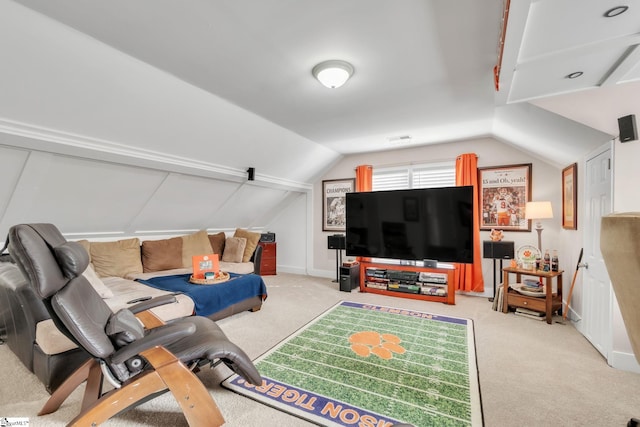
column 197, row 404
column 93, row 389
column 119, row 399
column 69, row 385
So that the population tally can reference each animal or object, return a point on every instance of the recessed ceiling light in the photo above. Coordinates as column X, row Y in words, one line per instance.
column 615, row 11
column 574, row 75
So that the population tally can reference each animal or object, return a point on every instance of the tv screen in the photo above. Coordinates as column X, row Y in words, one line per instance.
column 414, row 225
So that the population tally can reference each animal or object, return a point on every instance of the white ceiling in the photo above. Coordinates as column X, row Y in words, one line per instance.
column 423, row 68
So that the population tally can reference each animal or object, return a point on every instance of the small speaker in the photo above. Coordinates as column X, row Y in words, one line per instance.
column 337, row 241
column 252, row 174
column 268, row 237
column 627, row 127
column 497, row 250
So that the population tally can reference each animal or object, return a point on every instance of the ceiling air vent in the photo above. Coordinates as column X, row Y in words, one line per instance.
column 402, row 139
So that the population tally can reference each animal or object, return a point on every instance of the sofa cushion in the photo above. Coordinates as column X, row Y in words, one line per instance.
column 125, row 290
column 234, row 249
column 252, row 242
column 116, row 258
column 217, row 242
column 195, row 244
column 97, row 283
column 162, row 254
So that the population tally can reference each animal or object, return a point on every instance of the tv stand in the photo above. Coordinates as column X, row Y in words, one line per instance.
column 406, row 281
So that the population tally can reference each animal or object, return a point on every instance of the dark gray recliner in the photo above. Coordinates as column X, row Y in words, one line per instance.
column 140, row 362
column 20, row 312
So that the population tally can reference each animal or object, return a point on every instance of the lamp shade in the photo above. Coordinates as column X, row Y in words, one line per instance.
column 333, row 74
column 538, row 210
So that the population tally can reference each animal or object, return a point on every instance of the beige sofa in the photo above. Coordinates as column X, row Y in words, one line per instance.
column 113, row 268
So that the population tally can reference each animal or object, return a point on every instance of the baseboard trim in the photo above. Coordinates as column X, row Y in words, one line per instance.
column 624, row 361
column 329, row 274
column 291, row 269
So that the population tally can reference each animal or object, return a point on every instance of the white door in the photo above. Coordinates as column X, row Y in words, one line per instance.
column 596, row 310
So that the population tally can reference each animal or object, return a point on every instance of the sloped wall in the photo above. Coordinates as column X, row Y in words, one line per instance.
column 102, row 144
column 86, row 197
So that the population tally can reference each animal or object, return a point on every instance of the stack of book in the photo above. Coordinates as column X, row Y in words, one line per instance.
column 530, row 313
column 497, row 299
column 532, row 286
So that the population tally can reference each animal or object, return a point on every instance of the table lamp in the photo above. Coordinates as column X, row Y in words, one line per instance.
column 537, row 211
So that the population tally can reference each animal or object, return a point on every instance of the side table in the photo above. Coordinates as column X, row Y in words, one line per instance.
column 548, row 304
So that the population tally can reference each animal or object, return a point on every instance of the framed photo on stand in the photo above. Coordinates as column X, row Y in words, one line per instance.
column 570, row 197
column 504, row 192
column 334, row 203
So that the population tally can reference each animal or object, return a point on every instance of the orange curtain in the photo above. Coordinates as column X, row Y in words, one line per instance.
column 364, row 182
column 364, row 178
column 468, row 277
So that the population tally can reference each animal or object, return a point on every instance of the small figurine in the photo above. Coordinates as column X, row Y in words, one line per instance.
column 496, row 235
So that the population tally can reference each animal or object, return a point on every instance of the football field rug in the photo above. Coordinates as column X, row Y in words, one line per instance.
column 366, row 365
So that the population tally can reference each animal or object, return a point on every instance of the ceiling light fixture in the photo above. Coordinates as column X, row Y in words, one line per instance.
column 574, row 75
column 333, row 74
column 615, row 11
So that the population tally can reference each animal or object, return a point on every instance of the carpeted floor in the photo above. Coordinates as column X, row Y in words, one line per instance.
column 530, row 373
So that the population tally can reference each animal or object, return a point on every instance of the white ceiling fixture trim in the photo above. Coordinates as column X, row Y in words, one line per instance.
column 333, row 73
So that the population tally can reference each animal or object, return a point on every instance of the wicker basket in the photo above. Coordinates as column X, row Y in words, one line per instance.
column 220, row 277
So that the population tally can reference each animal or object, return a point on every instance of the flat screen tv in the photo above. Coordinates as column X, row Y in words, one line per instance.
column 413, row 225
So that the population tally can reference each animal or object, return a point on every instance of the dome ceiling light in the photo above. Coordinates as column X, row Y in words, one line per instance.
column 574, row 75
column 333, row 74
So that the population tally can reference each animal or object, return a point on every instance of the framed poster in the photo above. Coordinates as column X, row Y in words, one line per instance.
column 334, row 203
column 504, row 192
column 570, row 197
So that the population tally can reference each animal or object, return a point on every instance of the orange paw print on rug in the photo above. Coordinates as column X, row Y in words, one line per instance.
column 366, row 343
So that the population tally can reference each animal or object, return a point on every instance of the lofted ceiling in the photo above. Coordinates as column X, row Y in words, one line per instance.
column 423, row 68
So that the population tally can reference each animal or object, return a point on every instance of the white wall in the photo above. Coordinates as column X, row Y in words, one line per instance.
column 291, row 226
column 546, row 185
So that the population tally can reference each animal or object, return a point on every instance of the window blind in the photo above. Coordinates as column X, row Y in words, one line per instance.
column 427, row 175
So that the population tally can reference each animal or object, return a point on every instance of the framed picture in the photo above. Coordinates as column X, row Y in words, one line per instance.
column 204, row 263
column 334, row 203
column 570, row 197
column 504, row 192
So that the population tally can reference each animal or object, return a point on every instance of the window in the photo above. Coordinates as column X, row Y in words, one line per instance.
column 427, row 175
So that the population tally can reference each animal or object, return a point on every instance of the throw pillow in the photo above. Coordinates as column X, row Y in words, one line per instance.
column 195, row 244
column 217, row 242
column 164, row 254
column 97, row 283
column 252, row 242
column 234, row 249
column 117, row 258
